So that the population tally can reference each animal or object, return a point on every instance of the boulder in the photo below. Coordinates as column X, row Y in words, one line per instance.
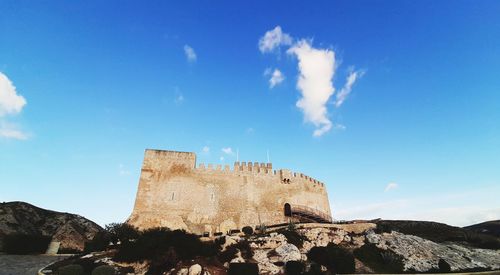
column 195, row 269
column 288, row 252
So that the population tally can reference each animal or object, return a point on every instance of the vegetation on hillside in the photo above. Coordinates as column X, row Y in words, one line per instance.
column 491, row 228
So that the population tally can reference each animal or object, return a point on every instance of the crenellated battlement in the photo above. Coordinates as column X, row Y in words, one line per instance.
column 256, row 168
column 162, row 160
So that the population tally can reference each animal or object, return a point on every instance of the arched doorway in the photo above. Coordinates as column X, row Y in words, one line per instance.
column 288, row 210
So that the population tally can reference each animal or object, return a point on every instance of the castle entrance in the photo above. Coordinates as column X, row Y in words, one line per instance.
column 288, row 210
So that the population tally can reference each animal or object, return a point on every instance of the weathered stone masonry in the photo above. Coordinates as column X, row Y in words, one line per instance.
column 175, row 193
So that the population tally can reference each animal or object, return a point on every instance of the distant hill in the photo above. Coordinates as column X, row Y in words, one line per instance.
column 71, row 230
column 440, row 232
column 490, row 228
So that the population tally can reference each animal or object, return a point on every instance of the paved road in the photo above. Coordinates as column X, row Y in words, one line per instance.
column 25, row 264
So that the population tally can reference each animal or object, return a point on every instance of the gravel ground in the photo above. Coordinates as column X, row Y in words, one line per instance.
column 25, row 264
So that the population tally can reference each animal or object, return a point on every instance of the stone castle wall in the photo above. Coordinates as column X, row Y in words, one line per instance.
column 175, row 193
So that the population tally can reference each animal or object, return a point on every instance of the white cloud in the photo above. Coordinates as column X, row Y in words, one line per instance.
column 227, row 151
column 276, row 77
column 11, row 133
column 10, row 102
column 346, row 90
column 316, row 70
column 205, row 149
column 221, row 158
column 273, row 39
column 250, row 130
column 391, row 186
column 190, row 53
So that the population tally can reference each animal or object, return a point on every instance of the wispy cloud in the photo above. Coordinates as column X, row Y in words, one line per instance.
column 276, row 77
column 339, row 127
column 190, row 53
column 273, row 39
column 391, row 186
column 346, row 90
column 227, row 151
column 205, row 149
column 11, row 133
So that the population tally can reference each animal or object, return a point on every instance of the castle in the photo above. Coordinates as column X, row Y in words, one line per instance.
column 173, row 192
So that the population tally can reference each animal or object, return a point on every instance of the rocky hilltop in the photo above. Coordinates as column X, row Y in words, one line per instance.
column 310, row 248
column 72, row 231
column 375, row 249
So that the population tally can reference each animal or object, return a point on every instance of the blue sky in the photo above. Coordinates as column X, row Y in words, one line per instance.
column 86, row 86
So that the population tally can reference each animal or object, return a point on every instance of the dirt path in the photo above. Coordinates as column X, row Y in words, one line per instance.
column 25, row 264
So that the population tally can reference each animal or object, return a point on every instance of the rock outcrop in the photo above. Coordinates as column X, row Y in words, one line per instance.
column 414, row 254
column 336, row 248
column 72, row 231
column 421, row 255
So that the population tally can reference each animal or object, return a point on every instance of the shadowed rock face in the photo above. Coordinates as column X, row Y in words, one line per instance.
column 69, row 229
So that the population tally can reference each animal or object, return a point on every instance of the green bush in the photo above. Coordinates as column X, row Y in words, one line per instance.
column 100, row 242
column 294, row 268
column 334, row 257
column 242, row 246
column 122, row 232
column 245, row 249
column 248, row 230
column 314, row 269
column 72, row 269
column 104, row 270
column 243, row 269
column 228, row 254
column 261, row 229
column 23, row 244
column 164, row 248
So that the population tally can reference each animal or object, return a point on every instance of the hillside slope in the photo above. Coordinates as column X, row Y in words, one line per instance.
column 71, row 230
column 440, row 232
column 490, row 228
